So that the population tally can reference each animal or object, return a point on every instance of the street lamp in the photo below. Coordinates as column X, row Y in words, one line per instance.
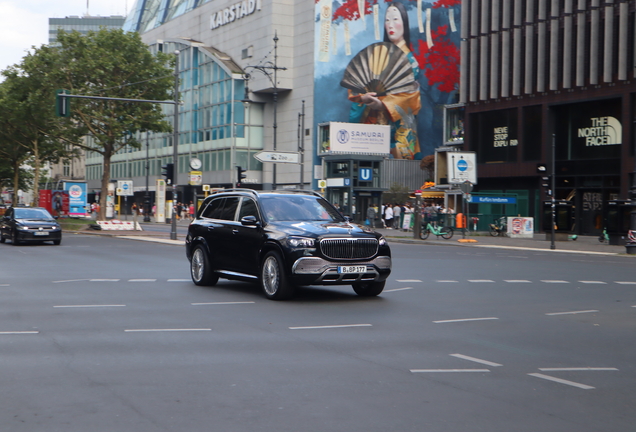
column 270, row 70
column 147, row 196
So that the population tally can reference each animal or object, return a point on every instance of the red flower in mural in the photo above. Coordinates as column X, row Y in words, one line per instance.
column 349, row 10
column 440, row 63
column 446, row 3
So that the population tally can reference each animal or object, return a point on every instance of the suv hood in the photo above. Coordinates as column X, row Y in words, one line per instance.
column 317, row 228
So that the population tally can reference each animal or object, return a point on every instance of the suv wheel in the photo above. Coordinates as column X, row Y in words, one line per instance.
column 368, row 289
column 273, row 279
column 200, row 268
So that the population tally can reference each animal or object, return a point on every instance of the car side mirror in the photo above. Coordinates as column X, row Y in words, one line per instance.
column 249, row 221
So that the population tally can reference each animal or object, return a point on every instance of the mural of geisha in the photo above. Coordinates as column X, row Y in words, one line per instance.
column 381, row 84
column 388, row 62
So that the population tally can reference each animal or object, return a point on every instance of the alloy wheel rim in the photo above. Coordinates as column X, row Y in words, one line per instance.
column 270, row 276
column 197, row 264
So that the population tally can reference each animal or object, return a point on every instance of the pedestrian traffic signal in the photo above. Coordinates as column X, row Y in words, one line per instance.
column 167, row 171
column 546, row 182
column 240, row 175
column 62, row 104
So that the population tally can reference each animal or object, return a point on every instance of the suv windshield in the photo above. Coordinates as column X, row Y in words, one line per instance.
column 299, row 208
column 31, row 213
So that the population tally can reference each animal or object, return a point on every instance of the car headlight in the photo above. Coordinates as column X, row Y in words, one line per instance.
column 301, row 242
column 382, row 241
column 22, row 228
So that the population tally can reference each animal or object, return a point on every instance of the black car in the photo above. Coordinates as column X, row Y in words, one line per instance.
column 29, row 224
column 283, row 240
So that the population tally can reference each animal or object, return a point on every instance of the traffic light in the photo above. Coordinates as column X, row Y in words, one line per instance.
column 62, row 104
column 167, row 171
column 240, row 175
column 546, row 182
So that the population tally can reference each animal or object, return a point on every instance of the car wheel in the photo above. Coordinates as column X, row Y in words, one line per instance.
column 200, row 268
column 273, row 278
column 368, row 289
column 57, row 242
column 447, row 232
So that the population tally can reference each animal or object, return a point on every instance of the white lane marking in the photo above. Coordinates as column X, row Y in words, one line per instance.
column 222, row 303
column 408, row 280
column 18, row 332
column 572, row 313
column 517, row 281
column 142, row 280
column 578, row 369
column 329, row 326
column 625, row 282
column 4, row 285
column 465, row 319
column 71, row 280
column 88, row 306
column 104, row 280
column 594, row 282
column 398, row 289
column 447, row 281
column 179, row 280
column 476, row 360
column 447, row 370
column 555, row 281
column 167, row 330
column 561, row 381
column 481, row 280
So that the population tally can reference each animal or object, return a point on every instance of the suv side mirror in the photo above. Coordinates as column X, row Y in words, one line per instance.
column 249, row 221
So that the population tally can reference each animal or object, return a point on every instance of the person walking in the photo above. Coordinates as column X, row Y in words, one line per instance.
column 397, row 215
column 388, row 215
column 371, row 216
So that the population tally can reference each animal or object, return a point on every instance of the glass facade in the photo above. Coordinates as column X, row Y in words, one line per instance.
column 149, row 14
column 214, row 124
column 82, row 25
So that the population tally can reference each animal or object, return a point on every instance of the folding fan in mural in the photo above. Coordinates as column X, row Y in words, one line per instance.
column 382, row 68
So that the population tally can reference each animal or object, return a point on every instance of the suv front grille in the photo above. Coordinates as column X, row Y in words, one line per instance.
column 349, row 248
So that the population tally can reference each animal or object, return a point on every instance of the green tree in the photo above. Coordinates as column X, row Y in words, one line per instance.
column 397, row 193
column 112, row 63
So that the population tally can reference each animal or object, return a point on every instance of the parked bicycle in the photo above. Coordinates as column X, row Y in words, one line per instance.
column 604, row 237
column 445, row 232
column 499, row 227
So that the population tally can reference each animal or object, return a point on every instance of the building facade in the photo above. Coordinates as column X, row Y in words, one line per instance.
column 258, row 78
column 542, row 78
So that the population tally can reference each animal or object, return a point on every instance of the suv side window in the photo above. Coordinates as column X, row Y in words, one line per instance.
column 229, row 209
column 213, row 210
column 248, row 208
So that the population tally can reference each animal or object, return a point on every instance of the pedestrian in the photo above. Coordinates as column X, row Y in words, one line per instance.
column 191, row 210
column 388, row 216
column 371, row 216
column 397, row 215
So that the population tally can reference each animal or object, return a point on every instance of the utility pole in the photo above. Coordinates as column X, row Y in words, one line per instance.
column 175, row 148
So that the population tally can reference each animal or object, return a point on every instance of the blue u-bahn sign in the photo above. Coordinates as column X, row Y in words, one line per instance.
column 492, row 200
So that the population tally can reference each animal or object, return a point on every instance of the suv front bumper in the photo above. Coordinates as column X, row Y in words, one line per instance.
column 313, row 270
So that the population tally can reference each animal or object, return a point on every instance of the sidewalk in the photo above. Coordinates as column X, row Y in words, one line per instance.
column 583, row 244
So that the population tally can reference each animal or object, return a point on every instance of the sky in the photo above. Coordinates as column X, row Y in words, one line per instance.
column 25, row 23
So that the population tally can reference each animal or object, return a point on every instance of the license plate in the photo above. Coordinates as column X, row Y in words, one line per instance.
column 352, row 269
column 41, row 233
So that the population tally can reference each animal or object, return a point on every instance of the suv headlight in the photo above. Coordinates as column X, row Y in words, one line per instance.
column 301, row 242
column 381, row 241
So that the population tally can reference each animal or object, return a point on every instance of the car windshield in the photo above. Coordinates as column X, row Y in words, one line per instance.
column 299, row 208
column 31, row 213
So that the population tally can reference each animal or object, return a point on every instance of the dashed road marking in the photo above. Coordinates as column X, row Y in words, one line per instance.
column 408, row 280
column 561, row 381
column 577, row 369
column 476, row 360
column 222, row 303
column 625, row 282
column 89, row 306
column 142, row 280
column 447, row 281
column 593, row 282
column 465, row 320
column 179, row 280
column 481, row 281
column 18, row 332
column 447, row 370
column 329, row 326
column 167, row 330
column 104, row 280
column 517, row 281
column 572, row 312
column 555, row 281
column 398, row 289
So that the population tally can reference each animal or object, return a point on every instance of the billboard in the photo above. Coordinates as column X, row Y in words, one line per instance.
column 388, row 63
column 77, row 198
column 359, row 138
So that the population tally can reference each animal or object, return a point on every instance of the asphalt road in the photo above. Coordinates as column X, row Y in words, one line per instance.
column 107, row 334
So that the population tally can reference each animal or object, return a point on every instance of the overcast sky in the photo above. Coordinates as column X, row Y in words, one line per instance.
column 25, row 23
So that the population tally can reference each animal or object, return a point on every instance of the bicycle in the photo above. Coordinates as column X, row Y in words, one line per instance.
column 445, row 232
column 499, row 227
column 604, row 237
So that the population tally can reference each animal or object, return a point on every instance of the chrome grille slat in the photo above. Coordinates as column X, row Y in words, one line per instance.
column 349, row 248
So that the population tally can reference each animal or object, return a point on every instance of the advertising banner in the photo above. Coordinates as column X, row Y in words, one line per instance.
column 359, row 138
column 77, row 198
column 520, row 227
column 392, row 63
column 160, row 203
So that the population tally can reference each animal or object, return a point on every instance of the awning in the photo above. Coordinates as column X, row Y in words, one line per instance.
column 432, row 194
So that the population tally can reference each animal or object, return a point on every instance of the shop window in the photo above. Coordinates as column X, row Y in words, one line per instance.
column 496, row 136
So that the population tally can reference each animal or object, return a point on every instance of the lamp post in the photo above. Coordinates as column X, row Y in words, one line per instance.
column 147, row 196
column 270, row 70
column 630, row 246
column 175, row 149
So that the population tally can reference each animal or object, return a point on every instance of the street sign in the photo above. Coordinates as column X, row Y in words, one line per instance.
column 196, row 178
column 126, row 187
column 278, row 157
